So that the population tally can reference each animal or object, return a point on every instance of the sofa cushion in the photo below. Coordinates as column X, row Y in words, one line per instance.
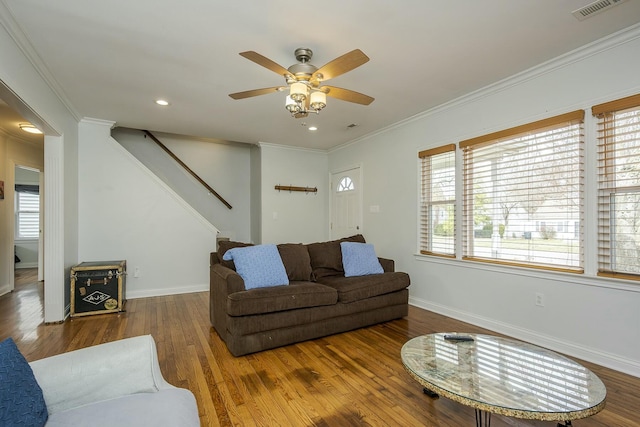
column 295, row 258
column 259, row 266
column 312, row 317
column 359, row 259
column 224, row 246
column 326, row 257
column 280, row 298
column 360, row 287
column 169, row 407
column 21, row 399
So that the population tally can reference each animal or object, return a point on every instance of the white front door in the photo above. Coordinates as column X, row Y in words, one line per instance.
column 346, row 204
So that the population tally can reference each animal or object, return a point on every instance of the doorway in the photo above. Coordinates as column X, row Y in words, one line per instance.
column 346, row 203
column 27, row 223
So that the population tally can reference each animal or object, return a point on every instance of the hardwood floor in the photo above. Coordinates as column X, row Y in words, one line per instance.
column 350, row 379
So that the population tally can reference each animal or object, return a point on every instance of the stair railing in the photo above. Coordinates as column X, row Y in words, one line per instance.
column 187, row 168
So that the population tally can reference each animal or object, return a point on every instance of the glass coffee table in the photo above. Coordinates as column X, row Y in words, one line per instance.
column 503, row 376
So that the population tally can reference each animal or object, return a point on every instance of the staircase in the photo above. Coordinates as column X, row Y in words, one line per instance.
column 187, row 172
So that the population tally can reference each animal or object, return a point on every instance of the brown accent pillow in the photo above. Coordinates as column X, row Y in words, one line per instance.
column 296, row 260
column 224, row 246
column 326, row 257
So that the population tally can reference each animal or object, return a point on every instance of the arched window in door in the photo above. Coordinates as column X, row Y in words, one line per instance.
column 345, row 184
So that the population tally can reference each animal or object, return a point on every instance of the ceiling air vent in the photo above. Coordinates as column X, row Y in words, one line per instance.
column 595, row 7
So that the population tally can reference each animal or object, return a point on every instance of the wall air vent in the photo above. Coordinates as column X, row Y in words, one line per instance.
column 596, row 7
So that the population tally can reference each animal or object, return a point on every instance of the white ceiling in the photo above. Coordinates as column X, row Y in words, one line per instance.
column 111, row 59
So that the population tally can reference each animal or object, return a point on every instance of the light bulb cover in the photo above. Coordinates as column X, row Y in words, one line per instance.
column 298, row 91
column 291, row 105
column 318, row 100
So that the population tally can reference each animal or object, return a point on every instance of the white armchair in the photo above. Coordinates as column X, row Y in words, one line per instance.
column 117, row 383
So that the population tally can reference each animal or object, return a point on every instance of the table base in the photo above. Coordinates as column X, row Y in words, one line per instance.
column 483, row 418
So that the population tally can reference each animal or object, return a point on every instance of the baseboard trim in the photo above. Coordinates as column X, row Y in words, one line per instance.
column 5, row 290
column 167, row 291
column 21, row 265
column 593, row 355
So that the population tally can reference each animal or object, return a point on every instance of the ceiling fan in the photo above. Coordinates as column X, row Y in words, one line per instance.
column 304, row 81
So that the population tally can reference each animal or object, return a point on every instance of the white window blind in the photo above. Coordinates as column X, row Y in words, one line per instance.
column 438, row 201
column 523, row 195
column 27, row 215
column 619, row 187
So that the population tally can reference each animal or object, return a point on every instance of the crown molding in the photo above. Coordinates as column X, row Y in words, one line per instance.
column 292, row 148
column 611, row 41
column 100, row 122
column 8, row 21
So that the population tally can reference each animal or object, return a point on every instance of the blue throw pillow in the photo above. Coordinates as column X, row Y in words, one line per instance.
column 359, row 259
column 21, row 400
column 259, row 266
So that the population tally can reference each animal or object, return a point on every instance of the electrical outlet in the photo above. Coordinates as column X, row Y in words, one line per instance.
column 539, row 299
column 136, row 272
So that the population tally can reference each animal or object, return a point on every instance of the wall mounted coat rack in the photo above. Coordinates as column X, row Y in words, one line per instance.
column 292, row 188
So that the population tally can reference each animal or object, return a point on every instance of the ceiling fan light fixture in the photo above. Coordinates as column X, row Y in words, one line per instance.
column 303, row 80
column 298, row 91
column 318, row 100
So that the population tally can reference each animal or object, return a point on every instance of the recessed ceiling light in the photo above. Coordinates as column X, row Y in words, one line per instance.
column 28, row 127
column 162, row 102
column 313, row 128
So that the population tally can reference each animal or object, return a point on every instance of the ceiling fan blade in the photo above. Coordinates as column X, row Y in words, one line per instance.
column 347, row 95
column 256, row 92
column 341, row 65
column 266, row 63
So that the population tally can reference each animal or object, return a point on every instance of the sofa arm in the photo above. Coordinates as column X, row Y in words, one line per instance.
column 226, row 278
column 98, row 373
column 388, row 265
column 223, row 282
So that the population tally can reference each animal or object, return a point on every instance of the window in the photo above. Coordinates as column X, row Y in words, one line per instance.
column 438, row 201
column 518, row 185
column 345, row 184
column 619, row 187
column 27, row 213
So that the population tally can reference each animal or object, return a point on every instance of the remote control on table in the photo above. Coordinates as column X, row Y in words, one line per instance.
column 455, row 337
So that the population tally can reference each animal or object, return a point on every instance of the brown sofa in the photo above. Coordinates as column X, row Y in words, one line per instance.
column 318, row 301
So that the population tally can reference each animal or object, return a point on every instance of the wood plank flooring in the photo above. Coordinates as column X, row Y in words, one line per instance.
column 350, row 379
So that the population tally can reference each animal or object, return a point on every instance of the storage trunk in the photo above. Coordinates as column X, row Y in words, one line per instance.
column 98, row 287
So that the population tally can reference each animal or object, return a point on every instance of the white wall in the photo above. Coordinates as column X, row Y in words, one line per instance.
column 126, row 212
column 25, row 87
column 584, row 316
column 293, row 216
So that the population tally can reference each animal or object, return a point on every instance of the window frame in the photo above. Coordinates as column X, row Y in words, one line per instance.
column 608, row 152
column 469, row 147
column 18, row 215
column 426, row 232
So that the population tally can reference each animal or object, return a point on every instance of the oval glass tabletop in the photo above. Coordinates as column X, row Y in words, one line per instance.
column 504, row 376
